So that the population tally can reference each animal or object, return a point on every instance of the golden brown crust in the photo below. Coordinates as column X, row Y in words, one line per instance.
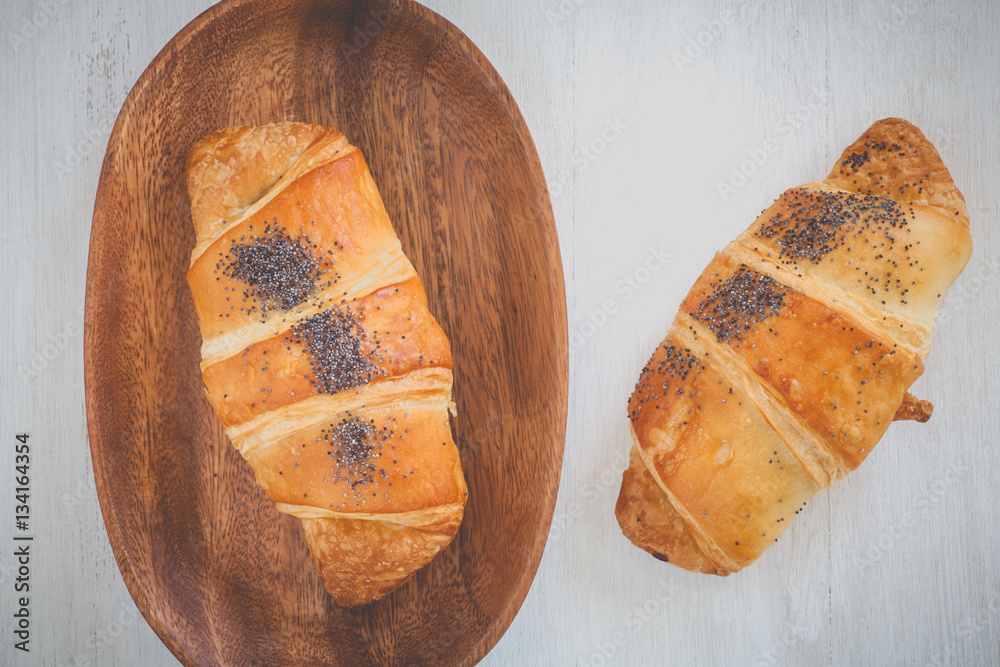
column 231, row 169
column 396, row 335
column 702, row 434
column 320, row 356
column 398, row 460
column 792, row 354
column 362, row 561
column 914, row 409
column 842, row 380
column 893, row 159
column 649, row 520
column 326, row 220
column 897, row 259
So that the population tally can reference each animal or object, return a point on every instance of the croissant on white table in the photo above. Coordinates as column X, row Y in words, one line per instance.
column 793, row 353
column 319, row 355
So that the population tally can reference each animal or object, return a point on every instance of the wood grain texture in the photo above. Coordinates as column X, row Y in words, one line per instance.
column 827, row 593
column 218, row 573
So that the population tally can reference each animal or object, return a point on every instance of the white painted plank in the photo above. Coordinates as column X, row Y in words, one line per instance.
column 898, row 564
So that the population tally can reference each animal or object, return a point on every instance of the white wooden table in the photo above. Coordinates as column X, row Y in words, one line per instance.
column 639, row 109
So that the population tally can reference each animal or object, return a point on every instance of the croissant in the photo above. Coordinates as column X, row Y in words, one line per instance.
column 319, row 355
column 792, row 354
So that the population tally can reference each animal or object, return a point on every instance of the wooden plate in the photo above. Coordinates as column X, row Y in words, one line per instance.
column 220, row 575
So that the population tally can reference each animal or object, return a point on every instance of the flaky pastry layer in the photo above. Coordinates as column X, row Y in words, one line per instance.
column 793, row 353
column 320, row 356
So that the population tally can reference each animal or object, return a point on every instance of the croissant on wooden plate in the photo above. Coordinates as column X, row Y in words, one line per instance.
column 793, row 353
column 319, row 354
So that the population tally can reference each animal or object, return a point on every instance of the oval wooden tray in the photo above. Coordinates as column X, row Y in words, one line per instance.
column 219, row 574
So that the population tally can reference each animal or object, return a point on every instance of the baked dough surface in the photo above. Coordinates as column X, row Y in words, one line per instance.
column 319, row 355
column 793, row 353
